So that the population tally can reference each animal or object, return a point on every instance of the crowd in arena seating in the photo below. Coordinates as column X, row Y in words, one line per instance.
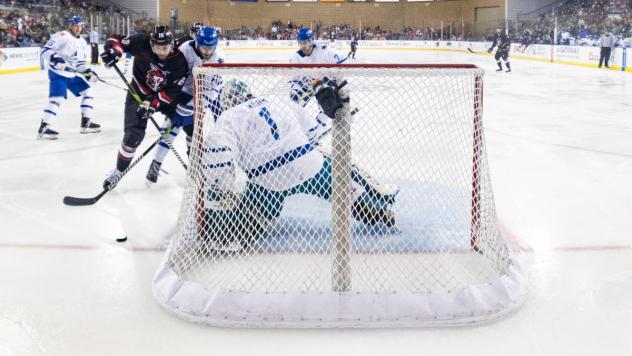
column 25, row 23
column 280, row 31
column 579, row 22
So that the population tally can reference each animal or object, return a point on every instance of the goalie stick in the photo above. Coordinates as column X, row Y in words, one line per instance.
column 74, row 201
column 150, row 118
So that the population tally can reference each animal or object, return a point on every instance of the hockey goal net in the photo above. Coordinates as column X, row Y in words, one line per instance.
column 383, row 216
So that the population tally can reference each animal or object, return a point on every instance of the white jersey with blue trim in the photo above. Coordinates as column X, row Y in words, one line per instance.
column 270, row 139
column 194, row 60
column 68, row 47
column 321, row 54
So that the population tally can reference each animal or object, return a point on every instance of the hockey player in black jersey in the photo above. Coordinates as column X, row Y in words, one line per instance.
column 354, row 48
column 502, row 41
column 159, row 73
column 190, row 36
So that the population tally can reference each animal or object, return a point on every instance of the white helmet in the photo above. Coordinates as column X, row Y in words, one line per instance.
column 234, row 92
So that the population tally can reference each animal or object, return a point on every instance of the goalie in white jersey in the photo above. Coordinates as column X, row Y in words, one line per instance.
column 204, row 49
column 66, row 57
column 310, row 53
column 273, row 141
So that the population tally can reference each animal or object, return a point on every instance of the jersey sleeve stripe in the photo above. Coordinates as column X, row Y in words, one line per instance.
column 164, row 97
column 279, row 161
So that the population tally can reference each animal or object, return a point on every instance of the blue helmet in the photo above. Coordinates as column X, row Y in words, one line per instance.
column 304, row 34
column 206, row 37
column 76, row 20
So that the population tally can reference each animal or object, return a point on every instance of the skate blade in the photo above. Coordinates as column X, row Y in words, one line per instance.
column 46, row 137
column 85, row 131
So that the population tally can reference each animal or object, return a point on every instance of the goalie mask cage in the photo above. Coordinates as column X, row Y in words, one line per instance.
column 412, row 136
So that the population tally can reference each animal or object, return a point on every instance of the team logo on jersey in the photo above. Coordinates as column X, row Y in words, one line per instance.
column 156, row 78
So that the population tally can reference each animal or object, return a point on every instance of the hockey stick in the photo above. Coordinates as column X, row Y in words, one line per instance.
column 74, row 201
column 149, row 117
column 71, row 69
column 475, row 52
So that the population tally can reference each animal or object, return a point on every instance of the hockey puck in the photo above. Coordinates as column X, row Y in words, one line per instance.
column 122, row 239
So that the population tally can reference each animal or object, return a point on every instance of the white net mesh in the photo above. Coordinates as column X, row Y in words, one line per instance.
column 382, row 216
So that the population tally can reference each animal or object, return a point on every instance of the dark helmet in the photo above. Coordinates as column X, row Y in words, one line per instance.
column 161, row 36
column 196, row 27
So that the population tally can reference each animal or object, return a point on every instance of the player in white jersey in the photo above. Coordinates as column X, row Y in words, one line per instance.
column 66, row 57
column 310, row 53
column 202, row 50
column 272, row 140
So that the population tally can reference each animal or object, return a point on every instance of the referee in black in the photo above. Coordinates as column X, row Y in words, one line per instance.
column 606, row 42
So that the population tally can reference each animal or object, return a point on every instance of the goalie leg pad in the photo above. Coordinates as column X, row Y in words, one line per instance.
column 365, row 187
column 245, row 222
column 266, row 202
column 371, row 191
column 319, row 185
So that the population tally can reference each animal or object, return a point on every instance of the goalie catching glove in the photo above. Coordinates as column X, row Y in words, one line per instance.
column 330, row 98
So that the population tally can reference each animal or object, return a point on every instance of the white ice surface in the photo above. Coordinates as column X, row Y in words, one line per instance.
column 560, row 150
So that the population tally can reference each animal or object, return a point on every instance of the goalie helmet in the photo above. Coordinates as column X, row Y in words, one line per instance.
column 234, row 92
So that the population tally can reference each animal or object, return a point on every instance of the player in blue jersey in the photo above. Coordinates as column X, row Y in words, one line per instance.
column 68, row 71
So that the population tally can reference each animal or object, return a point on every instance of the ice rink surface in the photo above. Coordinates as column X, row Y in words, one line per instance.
column 560, row 150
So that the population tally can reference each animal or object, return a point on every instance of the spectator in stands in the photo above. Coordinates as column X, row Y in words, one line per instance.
column 606, row 42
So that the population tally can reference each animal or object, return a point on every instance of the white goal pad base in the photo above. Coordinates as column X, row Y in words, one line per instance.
column 220, row 307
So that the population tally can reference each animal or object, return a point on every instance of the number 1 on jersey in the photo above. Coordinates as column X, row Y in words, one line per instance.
column 264, row 113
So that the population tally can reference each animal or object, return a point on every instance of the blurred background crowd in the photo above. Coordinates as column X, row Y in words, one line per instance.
column 25, row 23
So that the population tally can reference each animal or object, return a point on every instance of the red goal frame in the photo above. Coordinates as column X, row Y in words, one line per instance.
column 477, row 122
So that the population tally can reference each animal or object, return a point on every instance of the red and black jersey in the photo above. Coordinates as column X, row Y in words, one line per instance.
column 153, row 79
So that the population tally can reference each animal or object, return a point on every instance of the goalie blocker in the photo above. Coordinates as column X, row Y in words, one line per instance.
column 247, row 134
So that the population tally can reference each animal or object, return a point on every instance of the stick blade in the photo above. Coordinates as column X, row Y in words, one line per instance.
column 73, row 201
